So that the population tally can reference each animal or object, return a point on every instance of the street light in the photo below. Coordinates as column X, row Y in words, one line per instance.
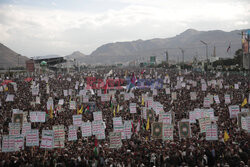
column 206, row 49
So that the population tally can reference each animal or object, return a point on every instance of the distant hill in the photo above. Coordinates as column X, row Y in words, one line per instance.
column 77, row 56
column 9, row 58
column 189, row 40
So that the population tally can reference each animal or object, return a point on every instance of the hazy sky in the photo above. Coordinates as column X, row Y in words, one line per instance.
column 42, row 27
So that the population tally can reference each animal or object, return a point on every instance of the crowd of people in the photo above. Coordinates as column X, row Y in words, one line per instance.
column 141, row 149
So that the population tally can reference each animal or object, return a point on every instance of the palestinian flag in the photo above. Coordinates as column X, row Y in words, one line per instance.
column 184, row 129
column 157, row 130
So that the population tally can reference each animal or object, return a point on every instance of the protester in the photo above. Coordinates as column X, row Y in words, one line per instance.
column 142, row 148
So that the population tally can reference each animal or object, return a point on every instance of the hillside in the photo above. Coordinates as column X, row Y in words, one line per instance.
column 189, row 40
column 9, row 58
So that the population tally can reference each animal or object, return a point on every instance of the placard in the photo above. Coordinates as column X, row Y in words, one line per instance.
column 132, row 108
column 211, row 132
column 167, row 132
column 115, row 140
column 77, row 120
column 72, row 133
column 47, row 139
column 86, row 129
column 32, row 137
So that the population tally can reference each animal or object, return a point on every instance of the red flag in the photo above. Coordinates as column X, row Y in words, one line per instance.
column 96, row 142
column 105, row 89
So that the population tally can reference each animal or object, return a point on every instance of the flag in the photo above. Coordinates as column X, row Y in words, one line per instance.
column 51, row 113
column 244, row 102
column 117, row 108
column 147, row 127
column 229, row 47
column 81, row 110
column 142, row 101
column 138, row 126
column 106, row 87
column 226, row 136
column 132, row 127
column 114, row 112
column 110, row 101
column 87, row 109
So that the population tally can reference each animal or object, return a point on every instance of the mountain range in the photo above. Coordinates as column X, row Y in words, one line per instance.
column 189, row 41
column 9, row 58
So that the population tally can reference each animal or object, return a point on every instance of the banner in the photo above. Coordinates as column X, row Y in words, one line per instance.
column 173, row 96
column 32, row 137
column 207, row 102
column 19, row 142
column 59, row 133
column 72, row 133
column 157, row 130
column 168, row 132
column 234, row 110
column 97, row 127
column 97, row 116
column 47, row 139
column 204, row 87
column 104, row 97
column 184, row 129
column 72, row 105
column 17, row 117
column 127, row 129
column 203, row 122
column 8, row 143
column 61, row 102
column 37, row 116
column 77, row 120
column 86, row 129
column 150, row 115
column 10, row 98
column 14, row 128
column 132, row 108
column 167, row 91
column 165, row 118
column 193, row 95
column 212, row 132
column 115, row 140
column 26, row 126
column 192, row 117
column 216, row 99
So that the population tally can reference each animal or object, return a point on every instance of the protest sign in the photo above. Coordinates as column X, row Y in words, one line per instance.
column 211, row 132
column 32, row 137
column 72, row 133
column 77, row 120
column 167, row 132
column 47, row 139
column 115, row 140
column 86, row 129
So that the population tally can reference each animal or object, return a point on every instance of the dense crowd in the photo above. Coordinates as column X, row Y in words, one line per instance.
column 141, row 149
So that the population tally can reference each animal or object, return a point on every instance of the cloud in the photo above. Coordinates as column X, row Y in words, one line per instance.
column 34, row 31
